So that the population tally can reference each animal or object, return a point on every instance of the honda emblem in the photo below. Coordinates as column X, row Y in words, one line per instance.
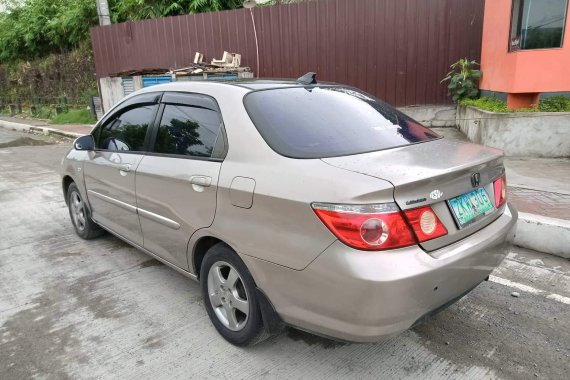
column 436, row 194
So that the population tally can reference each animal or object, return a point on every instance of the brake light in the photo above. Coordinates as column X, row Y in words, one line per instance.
column 500, row 186
column 367, row 227
column 425, row 223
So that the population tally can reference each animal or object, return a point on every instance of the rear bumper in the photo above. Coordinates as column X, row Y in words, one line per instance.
column 364, row 296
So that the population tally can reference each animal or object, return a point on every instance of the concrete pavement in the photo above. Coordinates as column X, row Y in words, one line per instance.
column 101, row 309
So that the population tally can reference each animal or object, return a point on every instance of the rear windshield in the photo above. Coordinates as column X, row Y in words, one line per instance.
column 319, row 122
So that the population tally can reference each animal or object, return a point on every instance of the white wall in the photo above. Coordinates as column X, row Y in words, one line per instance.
column 432, row 116
column 138, row 82
column 111, row 92
column 532, row 134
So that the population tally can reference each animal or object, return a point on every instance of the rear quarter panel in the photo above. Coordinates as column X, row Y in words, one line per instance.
column 280, row 226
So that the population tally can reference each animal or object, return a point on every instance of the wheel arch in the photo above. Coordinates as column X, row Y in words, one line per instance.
column 65, row 182
column 198, row 246
column 202, row 245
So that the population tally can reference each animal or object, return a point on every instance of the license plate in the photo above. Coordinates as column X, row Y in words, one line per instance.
column 470, row 207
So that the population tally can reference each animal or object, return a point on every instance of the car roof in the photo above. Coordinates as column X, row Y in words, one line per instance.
column 262, row 84
column 249, row 84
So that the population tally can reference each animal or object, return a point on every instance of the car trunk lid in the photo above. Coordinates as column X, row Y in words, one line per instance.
column 432, row 173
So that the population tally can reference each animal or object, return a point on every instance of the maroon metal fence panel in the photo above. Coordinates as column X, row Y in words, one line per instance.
column 397, row 50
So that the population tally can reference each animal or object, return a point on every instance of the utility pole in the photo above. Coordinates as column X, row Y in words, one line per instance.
column 103, row 12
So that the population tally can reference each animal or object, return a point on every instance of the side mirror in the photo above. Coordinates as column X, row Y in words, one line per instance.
column 84, row 143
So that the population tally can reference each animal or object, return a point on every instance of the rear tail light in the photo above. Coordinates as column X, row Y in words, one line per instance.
column 425, row 223
column 368, row 227
column 500, row 186
column 378, row 227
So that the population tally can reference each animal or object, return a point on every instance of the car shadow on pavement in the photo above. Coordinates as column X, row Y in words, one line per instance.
column 311, row 339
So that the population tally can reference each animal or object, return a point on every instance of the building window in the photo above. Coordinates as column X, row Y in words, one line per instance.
column 537, row 24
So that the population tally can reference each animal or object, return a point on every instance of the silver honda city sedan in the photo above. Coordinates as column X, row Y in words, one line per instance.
column 294, row 203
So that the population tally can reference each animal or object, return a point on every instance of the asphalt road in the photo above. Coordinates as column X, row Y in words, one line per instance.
column 101, row 309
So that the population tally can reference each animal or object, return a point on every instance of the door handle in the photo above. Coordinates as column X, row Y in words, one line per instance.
column 201, row 180
column 124, row 167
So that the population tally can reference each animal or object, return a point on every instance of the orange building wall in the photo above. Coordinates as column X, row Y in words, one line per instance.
column 530, row 71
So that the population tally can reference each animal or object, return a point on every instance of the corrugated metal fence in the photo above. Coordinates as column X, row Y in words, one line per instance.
column 397, row 50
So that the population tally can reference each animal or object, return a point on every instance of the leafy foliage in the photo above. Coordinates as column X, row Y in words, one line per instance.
column 74, row 116
column 41, row 112
column 39, row 27
column 487, row 104
column 463, row 80
column 134, row 10
column 31, row 29
column 552, row 104
column 44, row 81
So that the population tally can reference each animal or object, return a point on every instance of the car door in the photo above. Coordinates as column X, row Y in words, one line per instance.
column 177, row 182
column 109, row 172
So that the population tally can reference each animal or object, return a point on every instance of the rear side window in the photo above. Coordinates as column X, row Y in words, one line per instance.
column 127, row 131
column 318, row 122
column 188, row 130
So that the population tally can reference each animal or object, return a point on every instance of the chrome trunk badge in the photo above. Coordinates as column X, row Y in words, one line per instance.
column 436, row 194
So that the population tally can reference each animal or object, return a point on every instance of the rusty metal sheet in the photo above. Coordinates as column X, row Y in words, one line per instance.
column 397, row 50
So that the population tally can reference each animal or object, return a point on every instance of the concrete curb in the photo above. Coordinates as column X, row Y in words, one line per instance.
column 543, row 234
column 53, row 131
column 32, row 128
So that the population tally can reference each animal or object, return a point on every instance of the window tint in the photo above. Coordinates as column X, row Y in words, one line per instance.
column 537, row 24
column 317, row 122
column 187, row 130
column 127, row 131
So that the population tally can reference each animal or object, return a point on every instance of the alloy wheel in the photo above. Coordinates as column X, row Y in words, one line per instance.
column 228, row 295
column 77, row 210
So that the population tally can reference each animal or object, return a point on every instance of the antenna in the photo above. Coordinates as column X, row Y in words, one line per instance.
column 309, row 78
column 250, row 4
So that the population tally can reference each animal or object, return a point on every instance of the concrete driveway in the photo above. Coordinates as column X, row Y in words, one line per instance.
column 101, row 309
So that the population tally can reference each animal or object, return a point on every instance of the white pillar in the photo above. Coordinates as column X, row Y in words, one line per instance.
column 103, row 12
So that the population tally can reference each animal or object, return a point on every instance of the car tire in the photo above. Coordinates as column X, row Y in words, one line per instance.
column 80, row 215
column 230, row 297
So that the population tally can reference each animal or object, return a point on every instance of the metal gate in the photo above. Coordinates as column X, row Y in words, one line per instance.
column 128, row 85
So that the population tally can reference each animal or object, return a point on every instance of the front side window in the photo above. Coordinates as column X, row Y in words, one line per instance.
column 127, row 131
column 188, row 131
column 537, row 24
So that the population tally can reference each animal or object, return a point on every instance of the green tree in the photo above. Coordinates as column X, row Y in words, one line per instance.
column 34, row 28
column 133, row 10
